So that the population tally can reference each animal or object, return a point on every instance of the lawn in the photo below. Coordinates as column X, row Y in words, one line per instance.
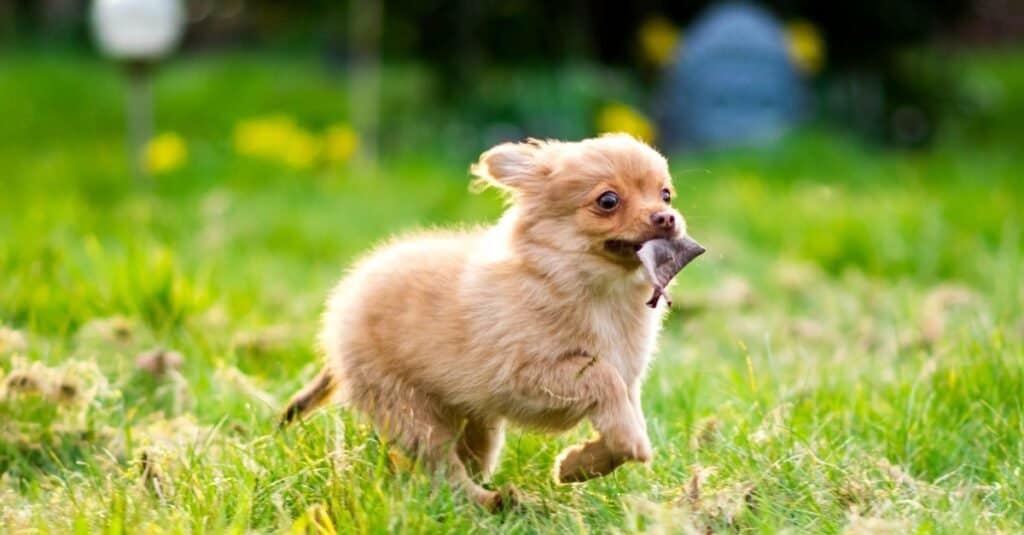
column 846, row 358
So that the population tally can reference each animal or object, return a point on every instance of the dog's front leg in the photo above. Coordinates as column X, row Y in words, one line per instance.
column 634, row 400
column 587, row 386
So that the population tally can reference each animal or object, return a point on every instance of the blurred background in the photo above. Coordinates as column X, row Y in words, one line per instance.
column 182, row 182
column 457, row 77
column 376, row 108
column 165, row 158
column 245, row 150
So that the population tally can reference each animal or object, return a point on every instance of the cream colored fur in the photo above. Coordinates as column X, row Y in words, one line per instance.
column 443, row 337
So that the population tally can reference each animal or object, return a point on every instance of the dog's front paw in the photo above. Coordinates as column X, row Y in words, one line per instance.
column 583, row 462
column 629, row 444
column 502, row 500
column 639, row 450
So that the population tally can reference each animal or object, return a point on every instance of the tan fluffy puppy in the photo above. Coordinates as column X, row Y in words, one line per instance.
column 540, row 320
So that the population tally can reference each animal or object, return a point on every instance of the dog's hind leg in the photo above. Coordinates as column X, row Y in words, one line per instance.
column 479, row 446
column 429, row 431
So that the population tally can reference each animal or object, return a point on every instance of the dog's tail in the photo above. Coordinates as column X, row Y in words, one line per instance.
column 313, row 395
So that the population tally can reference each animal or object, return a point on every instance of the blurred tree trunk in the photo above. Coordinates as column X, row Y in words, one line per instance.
column 61, row 17
column 578, row 35
column 7, row 25
column 470, row 53
column 364, row 78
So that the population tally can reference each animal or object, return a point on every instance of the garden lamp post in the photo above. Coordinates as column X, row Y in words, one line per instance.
column 138, row 33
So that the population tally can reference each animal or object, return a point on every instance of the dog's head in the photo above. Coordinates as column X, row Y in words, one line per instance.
column 601, row 197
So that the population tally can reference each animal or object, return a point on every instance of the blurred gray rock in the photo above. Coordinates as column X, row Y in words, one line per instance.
column 734, row 83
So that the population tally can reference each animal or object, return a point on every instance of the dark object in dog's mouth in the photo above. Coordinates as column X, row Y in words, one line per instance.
column 662, row 259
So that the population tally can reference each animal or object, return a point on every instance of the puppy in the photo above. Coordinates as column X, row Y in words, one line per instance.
column 443, row 337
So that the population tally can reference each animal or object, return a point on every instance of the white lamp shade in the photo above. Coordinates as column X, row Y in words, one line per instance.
column 137, row 29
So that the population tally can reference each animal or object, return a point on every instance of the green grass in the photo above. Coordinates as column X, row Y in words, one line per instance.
column 847, row 356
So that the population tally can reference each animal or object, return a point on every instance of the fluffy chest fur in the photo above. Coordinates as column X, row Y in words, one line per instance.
column 623, row 330
column 549, row 311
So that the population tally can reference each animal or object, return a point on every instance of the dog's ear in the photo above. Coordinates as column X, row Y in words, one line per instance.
column 513, row 167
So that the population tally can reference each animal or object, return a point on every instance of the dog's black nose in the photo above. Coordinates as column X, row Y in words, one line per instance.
column 664, row 220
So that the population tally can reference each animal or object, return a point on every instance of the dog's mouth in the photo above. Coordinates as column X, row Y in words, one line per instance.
column 623, row 248
column 626, row 249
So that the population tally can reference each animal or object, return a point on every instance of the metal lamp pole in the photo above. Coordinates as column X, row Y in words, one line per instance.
column 138, row 33
column 138, row 114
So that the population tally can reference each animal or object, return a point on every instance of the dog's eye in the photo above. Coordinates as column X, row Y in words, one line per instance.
column 608, row 201
column 666, row 195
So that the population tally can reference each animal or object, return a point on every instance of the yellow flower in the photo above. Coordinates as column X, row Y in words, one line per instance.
column 659, row 39
column 263, row 136
column 341, row 142
column 622, row 118
column 278, row 138
column 300, row 150
column 164, row 153
column 806, row 48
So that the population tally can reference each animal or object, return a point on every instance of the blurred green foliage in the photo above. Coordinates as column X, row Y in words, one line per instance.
column 851, row 345
column 481, row 59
